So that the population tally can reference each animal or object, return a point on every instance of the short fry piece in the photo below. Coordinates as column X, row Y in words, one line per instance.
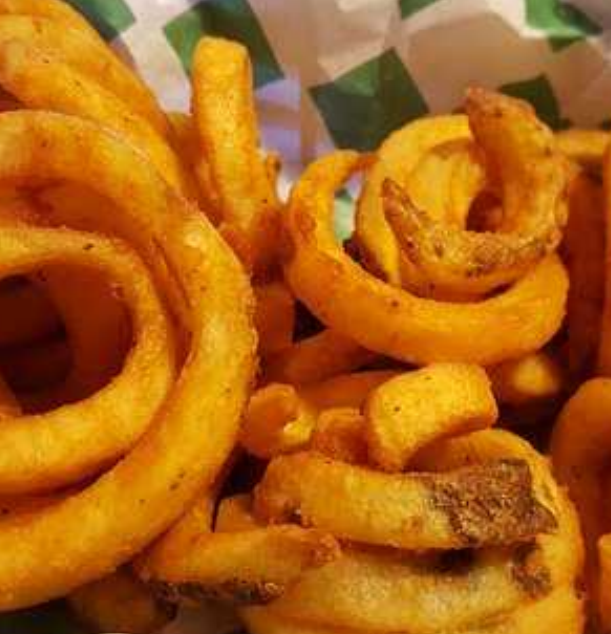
column 339, row 433
column 120, row 603
column 276, row 421
column 417, row 408
column 317, row 358
column 484, row 505
column 586, row 147
column 533, row 378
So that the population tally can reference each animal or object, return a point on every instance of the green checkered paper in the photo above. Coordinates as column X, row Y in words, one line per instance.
column 344, row 73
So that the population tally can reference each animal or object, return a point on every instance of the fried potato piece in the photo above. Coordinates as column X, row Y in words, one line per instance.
column 72, row 448
column 274, row 317
column 235, row 514
column 586, row 147
column 41, row 81
column 276, row 421
column 339, row 433
column 603, row 598
column 394, row 592
column 244, row 567
column 345, row 390
column 561, row 612
column 417, row 408
column 522, row 155
column 396, row 159
column 243, row 564
column 89, row 55
column 583, row 250
column 193, row 433
column 604, row 351
column 120, row 603
column 394, row 322
column 56, row 10
column 534, row 378
column 489, row 504
column 317, row 358
column 580, row 451
column 233, row 175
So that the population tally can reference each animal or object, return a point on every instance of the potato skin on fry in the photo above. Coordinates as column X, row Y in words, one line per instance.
column 484, row 505
column 420, row 407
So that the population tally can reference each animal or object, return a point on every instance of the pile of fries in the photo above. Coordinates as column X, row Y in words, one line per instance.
column 205, row 395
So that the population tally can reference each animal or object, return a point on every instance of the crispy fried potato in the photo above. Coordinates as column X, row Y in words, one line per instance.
column 225, row 120
column 604, row 351
column 120, row 603
column 276, row 421
column 274, row 317
column 398, row 156
column 580, row 452
column 389, row 591
column 345, row 390
column 489, row 504
column 533, row 378
column 586, row 147
column 339, row 433
column 74, row 445
column 584, row 254
column 317, row 358
column 235, row 514
column 521, row 154
column 42, row 81
column 417, row 408
column 88, row 54
column 195, row 430
column 394, row 322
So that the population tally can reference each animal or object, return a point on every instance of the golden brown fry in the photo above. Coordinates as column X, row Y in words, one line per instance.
column 274, row 317
column 276, row 421
column 603, row 599
column 339, row 433
column 345, row 390
column 521, row 154
column 417, row 408
column 580, row 452
column 534, row 378
column 235, row 514
column 120, row 603
column 233, row 168
column 72, row 448
column 393, row 592
column 89, row 55
column 561, row 613
column 394, row 322
column 583, row 250
column 56, row 10
column 244, row 564
column 586, row 147
column 316, row 358
column 396, row 159
column 195, row 430
column 42, row 81
column 244, row 567
column 604, row 351
column 487, row 505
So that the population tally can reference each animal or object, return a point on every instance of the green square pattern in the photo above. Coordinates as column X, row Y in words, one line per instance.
column 363, row 106
column 109, row 17
column 539, row 92
column 233, row 19
column 562, row 22
column 409, row 7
